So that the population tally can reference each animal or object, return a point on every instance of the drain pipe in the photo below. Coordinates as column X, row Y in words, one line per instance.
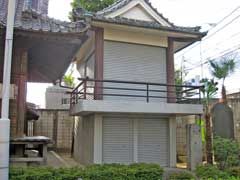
column 5, row 121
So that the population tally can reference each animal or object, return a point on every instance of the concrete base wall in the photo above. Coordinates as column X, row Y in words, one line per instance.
column 88, row 137
column 84, row 139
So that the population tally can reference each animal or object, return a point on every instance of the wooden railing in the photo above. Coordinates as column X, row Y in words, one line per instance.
column 89, row 89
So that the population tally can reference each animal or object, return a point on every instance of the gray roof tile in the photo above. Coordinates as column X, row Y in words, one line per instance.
column 100, row 16
column 37, row 22
column 146, row 24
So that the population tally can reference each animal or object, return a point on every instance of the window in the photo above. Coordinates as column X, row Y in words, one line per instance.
column 65, row 101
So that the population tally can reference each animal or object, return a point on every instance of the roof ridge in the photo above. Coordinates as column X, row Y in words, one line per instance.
column 120, row 3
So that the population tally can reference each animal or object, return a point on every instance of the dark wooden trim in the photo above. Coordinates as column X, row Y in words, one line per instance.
column 132, row 43
column 49, row 35
column 170, row 72
column 19, row 74
column 99, row 51
column 185, row 39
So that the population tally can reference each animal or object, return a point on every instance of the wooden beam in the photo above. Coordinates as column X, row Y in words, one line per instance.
column 170, row 72
column 19, row 73
column 99, row 53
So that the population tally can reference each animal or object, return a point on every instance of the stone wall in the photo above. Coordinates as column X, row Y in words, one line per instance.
column 57, row 125
column 235, row 105
column 183, row 121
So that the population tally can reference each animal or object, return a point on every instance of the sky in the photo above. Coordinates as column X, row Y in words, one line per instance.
column 180, row 12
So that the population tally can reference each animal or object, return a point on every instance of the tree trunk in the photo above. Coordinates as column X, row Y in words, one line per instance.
column 224, row 96
column 209, row 153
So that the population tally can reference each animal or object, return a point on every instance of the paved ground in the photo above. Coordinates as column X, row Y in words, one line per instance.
column 60, row 160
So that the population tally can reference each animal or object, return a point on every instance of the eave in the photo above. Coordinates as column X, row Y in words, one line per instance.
column 181, row 37
column 147, row 25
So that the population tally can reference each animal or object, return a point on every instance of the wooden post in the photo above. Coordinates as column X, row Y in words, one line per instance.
column 99, row 50
column 19, row 75
column 170, row 73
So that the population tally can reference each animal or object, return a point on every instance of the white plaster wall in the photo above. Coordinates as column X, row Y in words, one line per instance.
column 138, row 13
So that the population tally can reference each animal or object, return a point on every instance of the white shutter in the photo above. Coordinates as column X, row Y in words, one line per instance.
column 117, row 140
column 134, row 62
column 153, row 141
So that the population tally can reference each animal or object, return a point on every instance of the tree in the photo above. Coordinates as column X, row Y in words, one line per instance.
column 209, row 90
column 69, row 80
column 91, row 5
column 179, row 81
column 221, row 70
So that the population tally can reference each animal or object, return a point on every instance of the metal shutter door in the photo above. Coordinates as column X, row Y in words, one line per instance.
column 134, row 62
column 153, row 141
column 117, row 140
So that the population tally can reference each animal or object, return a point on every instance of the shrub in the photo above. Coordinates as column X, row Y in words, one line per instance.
column 94, row 172
column 209, row 171
column 234, row 171
column 181, row 176
column 226, row 152
column 229, row 178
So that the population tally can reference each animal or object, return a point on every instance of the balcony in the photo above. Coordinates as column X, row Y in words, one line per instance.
column 114, row 96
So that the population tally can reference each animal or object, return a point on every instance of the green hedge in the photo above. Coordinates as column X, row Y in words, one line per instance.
column 95, row 172
column 181, row 176
column 209, row 172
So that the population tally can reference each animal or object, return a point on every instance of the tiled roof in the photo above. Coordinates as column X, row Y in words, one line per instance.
column 31, row 21
column 44, row 23
column 101, row 16
column 146, row 24
column 120, row 3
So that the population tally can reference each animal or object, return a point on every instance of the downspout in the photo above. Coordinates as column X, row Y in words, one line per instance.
column 5, row 121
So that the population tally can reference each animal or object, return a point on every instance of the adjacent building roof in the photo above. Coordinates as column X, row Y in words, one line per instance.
column 51, row 44
column 31, row 21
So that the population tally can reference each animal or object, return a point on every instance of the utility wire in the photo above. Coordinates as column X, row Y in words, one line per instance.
column 215, row 31
column 206, row 62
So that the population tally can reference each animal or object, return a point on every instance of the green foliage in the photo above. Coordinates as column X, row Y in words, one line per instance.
column 68, row 80
column 223, row 68
column 209, row 90
column 210, row 171
column 95, row 172
column 91, row 5
column 201, row 123
column 226, row 152
column 181, row 176
column 228, row 178
column 234, row 171
column 179, row 82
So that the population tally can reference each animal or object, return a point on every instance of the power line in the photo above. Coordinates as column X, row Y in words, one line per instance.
column 229, row 51
column 206, row 62
column 207, row 37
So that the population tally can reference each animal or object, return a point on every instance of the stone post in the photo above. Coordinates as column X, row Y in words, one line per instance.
column 194, row 146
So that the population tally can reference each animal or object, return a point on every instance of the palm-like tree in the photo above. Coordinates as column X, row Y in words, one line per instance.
column 221, row 70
